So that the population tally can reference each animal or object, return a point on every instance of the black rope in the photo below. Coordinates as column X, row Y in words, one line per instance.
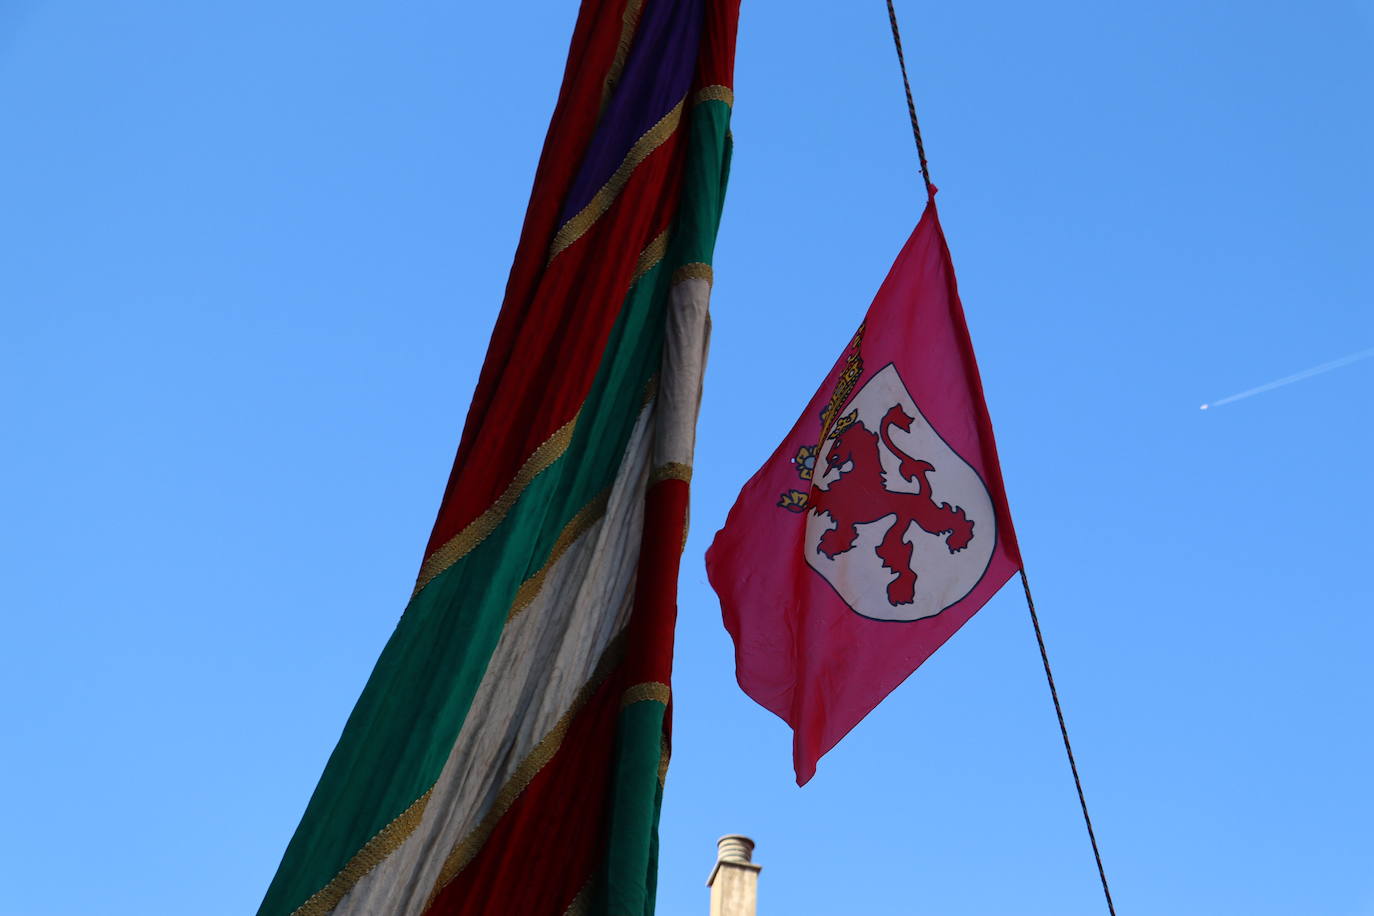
column 1025, row 583
column 1064, row 731
column 910, row 103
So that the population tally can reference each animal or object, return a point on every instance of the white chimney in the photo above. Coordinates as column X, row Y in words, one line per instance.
column 734, row 882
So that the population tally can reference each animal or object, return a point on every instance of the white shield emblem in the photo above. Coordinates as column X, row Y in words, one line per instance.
column 898, row 523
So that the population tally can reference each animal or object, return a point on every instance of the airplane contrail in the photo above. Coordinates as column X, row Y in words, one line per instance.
column 1290, row 379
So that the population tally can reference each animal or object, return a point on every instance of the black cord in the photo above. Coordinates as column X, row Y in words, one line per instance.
column 1068, row 748
column 910, row 103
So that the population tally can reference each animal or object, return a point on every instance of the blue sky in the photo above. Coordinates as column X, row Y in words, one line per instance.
column 252, row 254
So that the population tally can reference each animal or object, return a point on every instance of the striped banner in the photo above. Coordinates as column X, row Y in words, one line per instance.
column 508, row 752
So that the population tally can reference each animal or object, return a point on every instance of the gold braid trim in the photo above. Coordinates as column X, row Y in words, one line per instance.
column 650, row 256
column 481, row 527
column 715, row 94
column 853, row 368
column 664, row 753
column 655, row 691
column 586, row 517
column 578, row 225
column 673, row 470
column 582, row 903
column 628, row 23
column 374, row 852
column 466, row 849
column 694, row 271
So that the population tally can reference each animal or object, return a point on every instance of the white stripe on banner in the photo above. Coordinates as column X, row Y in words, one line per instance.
column 544, row 657
column 687, row 338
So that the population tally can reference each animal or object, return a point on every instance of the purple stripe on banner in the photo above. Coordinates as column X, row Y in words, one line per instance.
column 657, row 75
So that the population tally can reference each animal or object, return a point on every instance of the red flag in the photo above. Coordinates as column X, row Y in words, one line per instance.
column 879, row 526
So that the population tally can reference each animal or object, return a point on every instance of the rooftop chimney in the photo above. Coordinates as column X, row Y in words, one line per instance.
column 734, row 882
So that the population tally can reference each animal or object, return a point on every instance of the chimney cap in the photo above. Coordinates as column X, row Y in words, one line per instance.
column 736, row 851
column 735, row 847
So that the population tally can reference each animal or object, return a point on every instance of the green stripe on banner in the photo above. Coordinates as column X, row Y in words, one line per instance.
column 630, row 869
column 709, row 149
column 411, row 711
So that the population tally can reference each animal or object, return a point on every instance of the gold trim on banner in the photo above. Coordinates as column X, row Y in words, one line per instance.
column 629, row 22
column 578, row 225
column 373, row 853
column 466, row 849
column 664, row 753
column 694, row 271
column 481, row 527
column 714, row 94
column 586, row 517
column 673, row 470
column 655, row 691
column 582, row 903
column 649, row 258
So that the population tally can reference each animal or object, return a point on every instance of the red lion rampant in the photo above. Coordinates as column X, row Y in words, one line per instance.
column 860, row 497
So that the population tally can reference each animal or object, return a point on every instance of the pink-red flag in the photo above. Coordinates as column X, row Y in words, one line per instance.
column 879, row 526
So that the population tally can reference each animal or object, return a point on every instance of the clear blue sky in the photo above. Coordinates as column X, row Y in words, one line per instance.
column 251, row 256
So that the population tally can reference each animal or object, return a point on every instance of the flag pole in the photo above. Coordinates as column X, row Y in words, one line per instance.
column 1025, row 583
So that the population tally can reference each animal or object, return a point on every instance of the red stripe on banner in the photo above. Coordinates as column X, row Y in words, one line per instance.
column 649, row 643
column 560, row 337
column 651, row 636
column 543, row 851
column 716, row 63
column 571, row 128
